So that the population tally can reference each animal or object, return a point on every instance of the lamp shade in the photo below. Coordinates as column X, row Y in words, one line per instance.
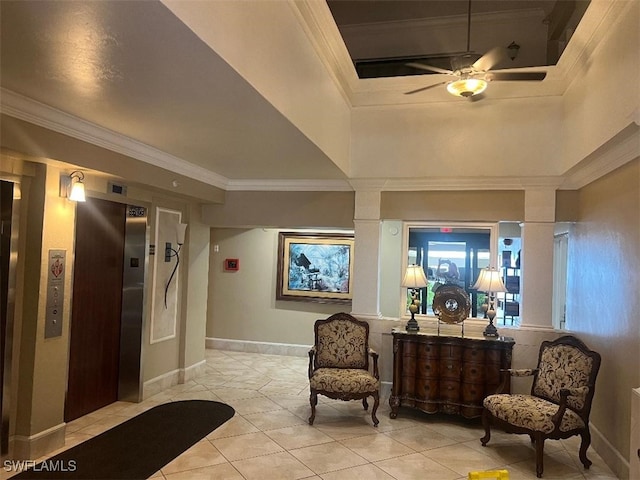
column 489, row 280
column 181, row 230
column 414, row 277
column 77, row 192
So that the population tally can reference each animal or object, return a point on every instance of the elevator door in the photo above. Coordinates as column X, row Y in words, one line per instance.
column 6, row 306
column 96, row 307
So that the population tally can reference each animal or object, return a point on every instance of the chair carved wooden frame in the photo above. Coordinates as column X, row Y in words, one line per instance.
column 339, row 363
column 560, row 400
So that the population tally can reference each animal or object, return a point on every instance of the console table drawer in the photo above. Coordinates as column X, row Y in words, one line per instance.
column 473, row 393
column 450, row 390
column 473, row 372
column 427, row 389
column 450, row 369
column 477, row 355
column 429, row 368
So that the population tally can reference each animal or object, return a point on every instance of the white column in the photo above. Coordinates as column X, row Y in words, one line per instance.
column 366, row 265
column 536, row 258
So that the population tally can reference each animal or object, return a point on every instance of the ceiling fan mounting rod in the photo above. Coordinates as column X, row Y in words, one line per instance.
column 469, row 26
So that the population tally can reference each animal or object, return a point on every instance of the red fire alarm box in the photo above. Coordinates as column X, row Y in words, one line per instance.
column 231, row 264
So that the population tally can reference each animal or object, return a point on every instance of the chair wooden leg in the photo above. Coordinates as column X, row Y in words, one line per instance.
column 539, row 454
column 584, row 445
column 365, row 404
column 376, row 402
column 486, row 423
column 313, row 399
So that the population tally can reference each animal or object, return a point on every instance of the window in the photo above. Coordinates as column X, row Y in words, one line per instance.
column 451, row 253
column 509, row 248
column 559, row 304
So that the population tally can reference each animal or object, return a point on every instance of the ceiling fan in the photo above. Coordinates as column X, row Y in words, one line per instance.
column 473, row 71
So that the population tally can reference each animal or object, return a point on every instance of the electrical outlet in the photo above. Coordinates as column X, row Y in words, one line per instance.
column 167, row 252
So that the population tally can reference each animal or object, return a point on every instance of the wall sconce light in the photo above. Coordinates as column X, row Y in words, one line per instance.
column 490, row 282
column 513, row 50
column 181, row 229
column 73, row 190
column 414, row 279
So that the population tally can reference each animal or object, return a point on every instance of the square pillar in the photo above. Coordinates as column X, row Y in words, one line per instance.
column 536, row 258
column 366, row 266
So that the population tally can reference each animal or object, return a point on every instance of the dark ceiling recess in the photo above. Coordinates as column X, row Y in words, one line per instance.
column 373, row 55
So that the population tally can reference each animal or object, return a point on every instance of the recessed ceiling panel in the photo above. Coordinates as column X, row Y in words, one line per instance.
column 382, row 36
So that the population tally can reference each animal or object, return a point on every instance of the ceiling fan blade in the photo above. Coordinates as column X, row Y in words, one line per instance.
column 422, row 66
column 515, row 76
column 490, row 59
column 424, row 88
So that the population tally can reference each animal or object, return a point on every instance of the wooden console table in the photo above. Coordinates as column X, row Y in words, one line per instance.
column 446, row 374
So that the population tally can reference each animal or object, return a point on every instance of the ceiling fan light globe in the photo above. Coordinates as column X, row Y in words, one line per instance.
column 467, row 87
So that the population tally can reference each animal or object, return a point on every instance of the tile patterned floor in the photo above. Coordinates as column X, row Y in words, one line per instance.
column 269, row 437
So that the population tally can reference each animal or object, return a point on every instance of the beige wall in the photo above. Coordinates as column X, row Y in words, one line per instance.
column 242, row 304
column 602, row 297
column 509, row 138
column 468, row 205
column 245, row 209
column 196, row 289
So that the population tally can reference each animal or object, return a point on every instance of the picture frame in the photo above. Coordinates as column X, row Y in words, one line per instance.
column 164, row 303
column 315, row 267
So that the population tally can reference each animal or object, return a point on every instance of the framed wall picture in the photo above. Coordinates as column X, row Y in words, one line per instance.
column 164, row 304
column 315, row 267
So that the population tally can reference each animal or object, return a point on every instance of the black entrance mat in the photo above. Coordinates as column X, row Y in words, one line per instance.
column 139, row 447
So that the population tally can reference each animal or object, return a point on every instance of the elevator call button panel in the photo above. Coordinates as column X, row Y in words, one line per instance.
column 55, row 293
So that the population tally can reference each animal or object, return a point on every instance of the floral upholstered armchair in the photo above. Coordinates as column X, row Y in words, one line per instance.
column 339, row 363
column 560, row 400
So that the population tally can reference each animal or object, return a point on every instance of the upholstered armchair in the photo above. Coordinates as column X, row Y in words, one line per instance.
column 560, row 400
column 339, row 363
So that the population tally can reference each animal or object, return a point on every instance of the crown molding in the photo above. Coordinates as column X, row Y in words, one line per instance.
column 32, row 111
column 597, row 22
column 618, row 151
column 316, row 20
column 289, row 185
column 476, row 183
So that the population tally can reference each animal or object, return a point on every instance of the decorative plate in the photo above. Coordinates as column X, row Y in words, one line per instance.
column 451, row 303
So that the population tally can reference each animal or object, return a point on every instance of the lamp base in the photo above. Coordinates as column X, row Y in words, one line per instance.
column 412, row 325
column 490, row 330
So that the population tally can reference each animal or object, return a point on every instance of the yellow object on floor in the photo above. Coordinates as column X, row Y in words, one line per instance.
column 493, row 475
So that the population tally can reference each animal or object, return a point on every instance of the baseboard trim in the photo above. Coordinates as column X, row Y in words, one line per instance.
column 250, row 346
column 171, row 379
column 191, row 372
column 35, row 446
column 385, row 391
column 160, row 383
column 612, row 457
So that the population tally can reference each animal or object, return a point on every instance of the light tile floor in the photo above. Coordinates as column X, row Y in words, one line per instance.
column 269, row 437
